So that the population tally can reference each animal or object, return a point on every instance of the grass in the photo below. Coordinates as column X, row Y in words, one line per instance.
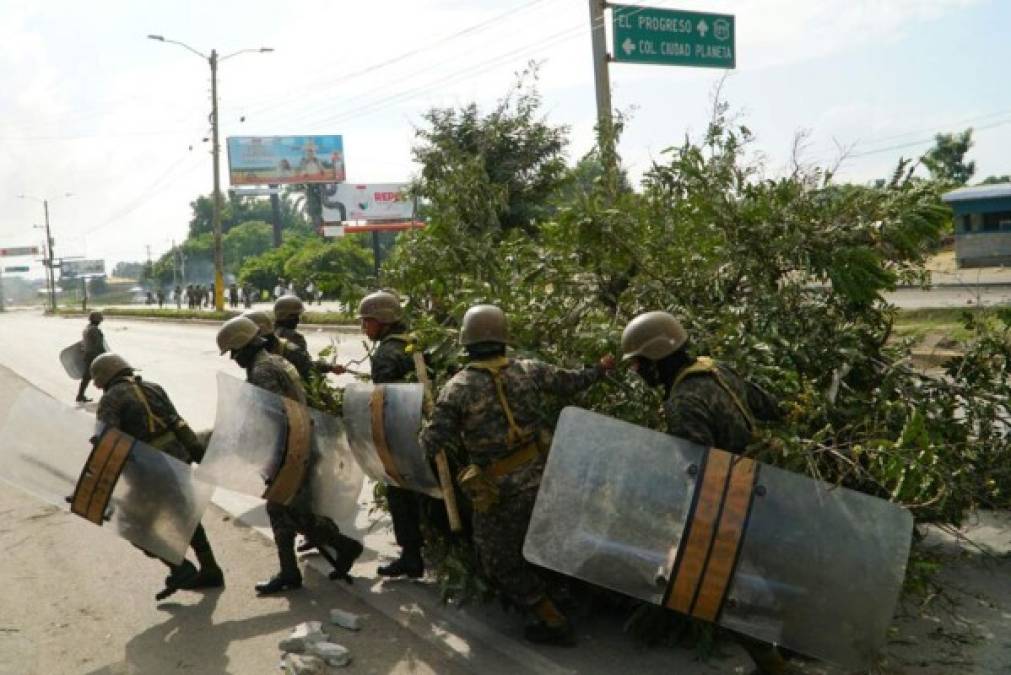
column 324, row 318
column 947, row 321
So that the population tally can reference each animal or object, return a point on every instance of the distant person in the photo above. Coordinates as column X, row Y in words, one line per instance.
column 279, row 289
column 178, row 292
column 161, row 297
column 92, row 344
column 233, row 296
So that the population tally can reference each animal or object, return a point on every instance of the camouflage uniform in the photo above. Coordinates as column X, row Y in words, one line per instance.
column 292, row 335
column 296, row 356
column 143, row 410
column 468, row 416
column 699, row 409
column 93, row 344
column 271, row 372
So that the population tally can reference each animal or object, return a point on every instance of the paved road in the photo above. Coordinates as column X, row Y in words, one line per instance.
column 184, row 359
column 951, row 296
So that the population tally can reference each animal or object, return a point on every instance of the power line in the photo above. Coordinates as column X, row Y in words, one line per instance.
column 438, row 43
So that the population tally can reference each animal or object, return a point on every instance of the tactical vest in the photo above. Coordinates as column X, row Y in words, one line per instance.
column 704, row 365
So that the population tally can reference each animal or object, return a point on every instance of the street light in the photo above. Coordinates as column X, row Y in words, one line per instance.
column 213, row 59
column 51, row 278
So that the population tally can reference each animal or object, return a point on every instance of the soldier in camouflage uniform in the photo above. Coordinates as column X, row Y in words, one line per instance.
column 240, row 337
column 287, row 313
column 143, row 410
column 93, row 343
column 495, row 411
column 380, row 315
column 289, row 350
column 707, row 403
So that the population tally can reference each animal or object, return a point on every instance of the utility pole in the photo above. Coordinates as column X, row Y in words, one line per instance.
column 213, row 60
column 275, row 208
column 51, row 265
column 601, row 78
column 2, row 307
column 175, row 264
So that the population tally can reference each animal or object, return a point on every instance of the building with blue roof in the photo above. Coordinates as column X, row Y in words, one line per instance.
column 982, row 224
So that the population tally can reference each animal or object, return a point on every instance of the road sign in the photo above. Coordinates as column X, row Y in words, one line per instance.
column 18, row 250
column 80, row 268
column 673, row 37
column 19, row 268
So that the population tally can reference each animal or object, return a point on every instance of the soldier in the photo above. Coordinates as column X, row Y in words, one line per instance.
column 240, row 337
column 178, row 293
column 233, row 296
column 287, row 313
column 380, row 315
column 495, row 411
column 295, row 355
column 93, row 344
column 143, row 410
column 706, row 403
column 160, row 294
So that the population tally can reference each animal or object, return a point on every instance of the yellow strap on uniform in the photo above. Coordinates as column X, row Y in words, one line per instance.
column 151, row 417
column 507, row 465
column 406, row 337
column 494, row 368
column 704, row 364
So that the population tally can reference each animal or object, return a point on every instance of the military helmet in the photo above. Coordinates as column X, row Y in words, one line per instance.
column 261, row 319
column 95, row 317
column 107, row 366
column 483, row 323
column 653, row 335
column 236, row 333
column 383, row 306
column 288, row 307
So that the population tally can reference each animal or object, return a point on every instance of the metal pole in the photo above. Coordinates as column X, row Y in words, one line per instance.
column 601, row 78
column 52, row 274
column 219, row 263
column 2, row 307
column 376, row 253
column 275, row 208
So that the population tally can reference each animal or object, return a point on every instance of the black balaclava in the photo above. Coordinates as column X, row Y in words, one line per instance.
column 663, row 372
column 244, row 356
column 291, row 322
column 486, row 350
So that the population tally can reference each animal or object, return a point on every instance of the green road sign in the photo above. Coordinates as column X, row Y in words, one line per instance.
column 673, row 37
column 15, row 269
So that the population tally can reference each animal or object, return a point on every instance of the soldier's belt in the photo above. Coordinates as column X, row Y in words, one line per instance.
column 162, row 441
column 513, row 462
column 285, row 483
column 100, row 474
column 709, row 549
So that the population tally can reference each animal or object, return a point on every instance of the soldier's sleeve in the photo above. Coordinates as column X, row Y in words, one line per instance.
column 442, row 430
column 764, row 406
column 298, row 358
column 109, row 410
column 563, row 381
column 182, row 431
column 689, row 417
column 391, row 363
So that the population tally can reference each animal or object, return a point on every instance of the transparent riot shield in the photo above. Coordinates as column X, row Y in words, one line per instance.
column 156, row 503
column 807, row 565
column 383, row 422
column 73, row 362
column 248, row 444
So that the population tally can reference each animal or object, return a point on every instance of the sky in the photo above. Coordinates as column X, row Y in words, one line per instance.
column 89, row 106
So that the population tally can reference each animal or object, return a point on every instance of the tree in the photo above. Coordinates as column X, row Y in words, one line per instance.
column 494, row 172
column 128, row 270
column 993, row 180
column 946, row 160
column 244, row 241
column 237, row 210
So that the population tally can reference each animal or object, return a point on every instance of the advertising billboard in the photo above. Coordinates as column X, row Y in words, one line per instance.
column 80, row 268
column 344, row 202
column 270, row 160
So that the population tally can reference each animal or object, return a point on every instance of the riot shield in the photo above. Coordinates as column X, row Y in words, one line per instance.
column 383, row 421
column 153, row 501
column 249, row 443
column 771, row 554
column 73, row 361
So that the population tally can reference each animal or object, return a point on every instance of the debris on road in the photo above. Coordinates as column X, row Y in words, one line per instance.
column 339, row 617
column 300, row 664
column 331, row 652
column 304, row 635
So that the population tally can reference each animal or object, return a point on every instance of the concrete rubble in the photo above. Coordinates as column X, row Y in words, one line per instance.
column 308, row 651
column 300, row 664
column 304, row 634
column 339, row 617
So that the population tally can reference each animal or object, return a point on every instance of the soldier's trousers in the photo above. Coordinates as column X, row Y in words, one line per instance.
column 499, row 535
column 287, row 522
column 85, row 381
column 405, row 510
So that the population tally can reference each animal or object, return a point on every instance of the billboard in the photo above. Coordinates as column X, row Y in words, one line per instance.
column 369, row 201
column 270, row 160
column 80, row 268
column 16, row 251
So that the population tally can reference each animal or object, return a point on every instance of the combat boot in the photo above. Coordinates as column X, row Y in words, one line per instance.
column 550, row 627
column 348, row 550
column 210, row 575
column 409, row 564
column 182, row 574
column 288, row 578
